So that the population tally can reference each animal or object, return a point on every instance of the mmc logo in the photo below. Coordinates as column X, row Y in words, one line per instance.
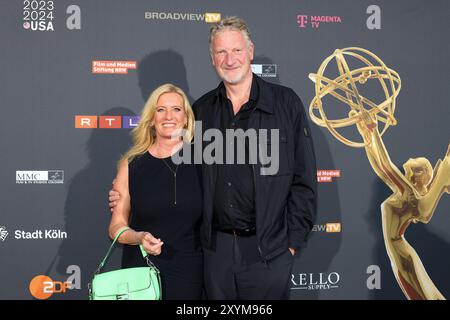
column 106, row 122
column 40, row 176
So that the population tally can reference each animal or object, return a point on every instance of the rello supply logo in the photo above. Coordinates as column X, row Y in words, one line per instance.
column 40, row 177
column 208, row 17
column 43, row 287
column 315, row 281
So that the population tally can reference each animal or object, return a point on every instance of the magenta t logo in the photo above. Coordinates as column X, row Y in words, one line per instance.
column 302, row 20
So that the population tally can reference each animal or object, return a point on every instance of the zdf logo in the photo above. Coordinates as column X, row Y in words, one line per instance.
column 43, row 287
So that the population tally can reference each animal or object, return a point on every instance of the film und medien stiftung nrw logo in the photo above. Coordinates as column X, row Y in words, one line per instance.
column 3, row 233
column 40, row 177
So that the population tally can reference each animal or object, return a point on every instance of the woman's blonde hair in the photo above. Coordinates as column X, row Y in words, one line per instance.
column 144, row 134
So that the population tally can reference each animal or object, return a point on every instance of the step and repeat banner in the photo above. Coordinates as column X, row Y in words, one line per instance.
column 75, row 75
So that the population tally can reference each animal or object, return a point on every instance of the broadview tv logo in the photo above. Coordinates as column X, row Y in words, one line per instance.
column 208, row 17
column 328, row 227
column 212, row 17
column 106, row 122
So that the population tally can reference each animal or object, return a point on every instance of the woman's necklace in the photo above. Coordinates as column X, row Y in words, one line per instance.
column 174, row 178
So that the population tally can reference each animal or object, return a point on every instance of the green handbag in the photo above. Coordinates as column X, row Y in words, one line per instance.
column 140, row 283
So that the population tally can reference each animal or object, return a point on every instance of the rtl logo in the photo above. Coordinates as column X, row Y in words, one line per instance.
column 106, row 122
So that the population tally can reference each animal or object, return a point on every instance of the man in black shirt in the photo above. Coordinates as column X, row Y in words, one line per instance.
column 234, row 190
column 254, row 220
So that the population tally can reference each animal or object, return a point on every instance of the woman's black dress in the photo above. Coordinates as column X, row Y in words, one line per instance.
column 152, row 191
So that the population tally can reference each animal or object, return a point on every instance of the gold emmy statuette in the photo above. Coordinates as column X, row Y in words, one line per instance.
column 415, row 192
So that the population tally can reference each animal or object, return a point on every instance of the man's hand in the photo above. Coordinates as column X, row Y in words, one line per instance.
column 113, row 197
column 292, row 251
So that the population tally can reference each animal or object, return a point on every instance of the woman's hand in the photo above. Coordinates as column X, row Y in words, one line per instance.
column 151, row 244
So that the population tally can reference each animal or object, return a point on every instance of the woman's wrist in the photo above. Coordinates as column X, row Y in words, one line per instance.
column 139, row 237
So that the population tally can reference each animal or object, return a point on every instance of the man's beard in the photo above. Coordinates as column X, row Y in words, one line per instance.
column 232, row 79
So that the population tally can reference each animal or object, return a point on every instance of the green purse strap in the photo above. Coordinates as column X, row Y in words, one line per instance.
column 106, row 258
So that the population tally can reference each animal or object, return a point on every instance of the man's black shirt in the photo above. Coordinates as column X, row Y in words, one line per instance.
column 234, row 200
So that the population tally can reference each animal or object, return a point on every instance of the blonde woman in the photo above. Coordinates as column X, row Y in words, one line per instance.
column 160, row 201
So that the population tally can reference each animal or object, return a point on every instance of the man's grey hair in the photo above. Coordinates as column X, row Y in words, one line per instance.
column 229, row 23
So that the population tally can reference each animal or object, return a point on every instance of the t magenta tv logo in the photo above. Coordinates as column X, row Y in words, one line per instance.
column 302, row 20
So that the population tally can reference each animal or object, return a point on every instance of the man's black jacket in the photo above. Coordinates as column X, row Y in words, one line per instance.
column 285, row 202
